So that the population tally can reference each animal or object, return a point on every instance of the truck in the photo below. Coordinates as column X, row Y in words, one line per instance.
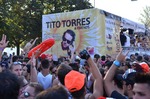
column 95, row 29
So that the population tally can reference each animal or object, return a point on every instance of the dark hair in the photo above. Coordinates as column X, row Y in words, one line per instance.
column 71, row 33
column 123, row 38
column 97, row 56
column 77, row 61
column 26, row 59
column 146, row 58
column 45, row 63
column 9, row 85
column 108, row 64
column 118, row 82
column 56, row 92
column 62, row 70
column 142, row 78
column 136, row 54
column 15, row 58
column 28, row 68
column 78, row 94
column 103, row 58
column 139, row 58
column 74, row 66
column 127, row 63
column 131, row 55
column 102, row 71
column 130, row 80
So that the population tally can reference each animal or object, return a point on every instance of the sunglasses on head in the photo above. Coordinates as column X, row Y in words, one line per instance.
column 17, row 63
column 64, row 39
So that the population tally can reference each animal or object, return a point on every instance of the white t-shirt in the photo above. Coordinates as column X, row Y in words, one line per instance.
column 89, row 82
column 127, row 43
column 45, row 81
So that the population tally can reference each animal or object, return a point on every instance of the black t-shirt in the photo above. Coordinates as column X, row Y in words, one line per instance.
column 117, row 95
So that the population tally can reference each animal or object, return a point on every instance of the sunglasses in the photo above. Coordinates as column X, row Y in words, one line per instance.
column 64, row 39
column 27, row 94
column 17, row 63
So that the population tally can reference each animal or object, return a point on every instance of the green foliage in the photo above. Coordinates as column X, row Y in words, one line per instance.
column 21, row 20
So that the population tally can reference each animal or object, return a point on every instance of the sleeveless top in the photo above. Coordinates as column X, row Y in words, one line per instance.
column 45, row 81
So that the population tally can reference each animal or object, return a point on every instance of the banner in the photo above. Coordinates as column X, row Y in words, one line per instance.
column 75, row 30
column 112, row 34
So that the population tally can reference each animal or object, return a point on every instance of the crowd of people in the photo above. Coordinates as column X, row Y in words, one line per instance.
column 134, row 40
column 82, row 77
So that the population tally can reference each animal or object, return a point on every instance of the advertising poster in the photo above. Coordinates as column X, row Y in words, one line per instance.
column 75, row 30
column 112, row 34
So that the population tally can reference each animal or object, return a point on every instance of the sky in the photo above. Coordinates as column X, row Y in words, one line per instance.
column 124, row 8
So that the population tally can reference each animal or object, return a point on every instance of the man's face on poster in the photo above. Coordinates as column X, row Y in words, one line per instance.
column 67, row 41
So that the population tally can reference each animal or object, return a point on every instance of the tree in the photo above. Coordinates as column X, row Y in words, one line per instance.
column 21, row 20
column 145, row 16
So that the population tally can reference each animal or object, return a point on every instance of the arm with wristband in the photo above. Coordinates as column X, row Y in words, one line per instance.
column 108, row 79
column 98, row 82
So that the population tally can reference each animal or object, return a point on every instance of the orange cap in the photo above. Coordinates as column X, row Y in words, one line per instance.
column 74, row 81
column 145, row 67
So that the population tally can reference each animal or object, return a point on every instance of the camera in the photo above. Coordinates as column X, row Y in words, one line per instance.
column 84, row 54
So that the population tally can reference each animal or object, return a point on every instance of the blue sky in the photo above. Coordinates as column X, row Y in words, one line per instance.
column 124, row 8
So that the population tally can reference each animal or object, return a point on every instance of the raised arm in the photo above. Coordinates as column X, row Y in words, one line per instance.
column 32, row 44
column 3, row 44
column 98, row 80
column 33, row 76
column 29, row 45
column 108, row 79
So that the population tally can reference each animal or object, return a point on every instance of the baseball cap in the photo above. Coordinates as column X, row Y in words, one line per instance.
column 74, row 81
column 128, row 76
column 43, row 56
column 4, row 64
column 145, row 67
column 127, row 72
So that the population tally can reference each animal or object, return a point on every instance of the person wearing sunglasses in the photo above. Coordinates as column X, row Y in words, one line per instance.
column 68, row 39
column 33, row 87
column 16, row 68
column 31, row 91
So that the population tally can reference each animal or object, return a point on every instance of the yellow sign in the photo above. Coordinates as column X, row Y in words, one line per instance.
column 75, row 30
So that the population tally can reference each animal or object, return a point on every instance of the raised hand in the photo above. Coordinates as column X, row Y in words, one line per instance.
column 121, row 56
column 3, row 42
column 33, row 60
column 37, row 52
column 29, row 45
